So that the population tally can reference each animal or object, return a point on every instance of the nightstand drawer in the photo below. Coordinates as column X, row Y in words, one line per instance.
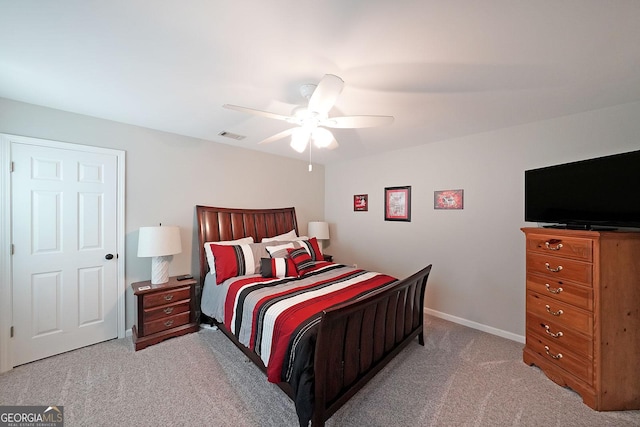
column 167, row 310
column 166, row 323
column 560, row 268
column 166, row 297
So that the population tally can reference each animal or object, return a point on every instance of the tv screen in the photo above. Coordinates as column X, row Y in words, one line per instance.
column 600, row 192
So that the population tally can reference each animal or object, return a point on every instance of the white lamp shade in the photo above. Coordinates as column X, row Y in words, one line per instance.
column 319, row 230
column 159, row 241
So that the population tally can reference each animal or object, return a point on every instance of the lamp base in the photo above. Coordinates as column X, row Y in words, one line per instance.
column 159, row 270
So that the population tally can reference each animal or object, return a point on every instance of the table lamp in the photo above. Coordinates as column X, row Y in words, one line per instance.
column 319, row 230
column 159, row 243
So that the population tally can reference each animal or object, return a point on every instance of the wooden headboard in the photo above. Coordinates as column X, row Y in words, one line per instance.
column 220, row 224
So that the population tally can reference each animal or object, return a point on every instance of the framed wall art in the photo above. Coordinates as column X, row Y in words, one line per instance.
column 361, row 202
column 448, row 199
column 397, row 203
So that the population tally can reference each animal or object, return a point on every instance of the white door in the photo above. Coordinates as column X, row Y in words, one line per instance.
column 65, row 267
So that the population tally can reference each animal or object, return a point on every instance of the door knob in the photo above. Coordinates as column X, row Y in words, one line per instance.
column 108, row 256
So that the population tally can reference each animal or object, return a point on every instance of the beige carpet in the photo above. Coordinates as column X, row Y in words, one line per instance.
column 462, row 377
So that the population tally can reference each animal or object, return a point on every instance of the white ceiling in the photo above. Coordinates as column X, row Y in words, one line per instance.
column 443, row 69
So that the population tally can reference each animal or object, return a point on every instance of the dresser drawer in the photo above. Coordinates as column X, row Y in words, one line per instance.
column 560, row 268
column 562, row 314
column 166, row 323
column 568, row 247
column 166, row 297
column 561, row 290
column 166, row 310
column 555, row 333
column 577, row 365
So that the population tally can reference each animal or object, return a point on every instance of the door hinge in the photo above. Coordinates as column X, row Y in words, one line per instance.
column 13, row 248
column 12, row 166
column 12, row 332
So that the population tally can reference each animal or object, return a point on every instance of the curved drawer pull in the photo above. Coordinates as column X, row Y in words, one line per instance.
column 557, row 246
column 168, row 310
column 556, row 335
column 169, row 297
column 553, row 290
column 553, row 270
column 168, row 322
column 554, row 313
column 553, row 356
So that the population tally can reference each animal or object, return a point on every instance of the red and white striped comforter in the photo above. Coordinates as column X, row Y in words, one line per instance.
column 271, row 316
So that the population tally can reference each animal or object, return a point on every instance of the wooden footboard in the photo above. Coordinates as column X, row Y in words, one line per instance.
column 356, row 340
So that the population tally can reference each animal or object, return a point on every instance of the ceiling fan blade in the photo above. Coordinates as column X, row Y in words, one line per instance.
column 346, row 122
column 277, row 136
column 333, row 145
column 257, row 112
column 326, row 94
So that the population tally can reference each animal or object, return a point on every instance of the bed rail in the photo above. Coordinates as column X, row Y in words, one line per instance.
column 356, row 340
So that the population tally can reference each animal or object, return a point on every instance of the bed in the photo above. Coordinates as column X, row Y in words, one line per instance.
column 339, row 345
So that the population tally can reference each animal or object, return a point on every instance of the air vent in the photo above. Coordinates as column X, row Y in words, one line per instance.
column 232, row 135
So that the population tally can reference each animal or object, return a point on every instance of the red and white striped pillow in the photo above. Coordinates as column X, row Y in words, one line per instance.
column 302, row 260
column 278, row 267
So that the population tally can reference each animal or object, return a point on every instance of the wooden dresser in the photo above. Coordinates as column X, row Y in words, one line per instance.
column 163, row 311
column 583, row 313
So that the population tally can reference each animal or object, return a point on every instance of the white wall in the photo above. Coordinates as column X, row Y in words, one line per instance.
column 167, row 175
column 478, row 275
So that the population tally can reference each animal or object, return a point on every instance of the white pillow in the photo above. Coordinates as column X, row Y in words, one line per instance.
column 279, row 251
column 291, row 235
column 207, row 249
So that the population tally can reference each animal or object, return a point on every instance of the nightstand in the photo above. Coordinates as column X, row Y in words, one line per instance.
column 163, row 311
column 328, row 258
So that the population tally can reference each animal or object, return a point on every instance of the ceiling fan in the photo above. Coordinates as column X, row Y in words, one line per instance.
column 313, row 120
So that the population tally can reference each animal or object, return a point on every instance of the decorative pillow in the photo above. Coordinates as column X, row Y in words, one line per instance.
column 278, row 267
column 301, row 259
column 291, row 235
column 207, row 249
column 237, row 260
column 312, row 248
column 279, row 251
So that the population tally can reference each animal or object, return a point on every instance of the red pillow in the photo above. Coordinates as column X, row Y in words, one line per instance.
column 232, row 261
column 313, row 248
column 301, row 259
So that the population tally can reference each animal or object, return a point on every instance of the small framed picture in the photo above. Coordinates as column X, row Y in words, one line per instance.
column 448, row 199
column 397, row 203
column 361, row 202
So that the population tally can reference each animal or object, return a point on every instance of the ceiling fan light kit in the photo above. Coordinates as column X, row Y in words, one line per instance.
column 313, row 119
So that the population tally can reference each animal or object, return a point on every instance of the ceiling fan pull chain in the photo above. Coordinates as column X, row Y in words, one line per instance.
column 310, row 165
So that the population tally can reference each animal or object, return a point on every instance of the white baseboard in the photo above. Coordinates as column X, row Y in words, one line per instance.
column 459, row 320
column 479, row 326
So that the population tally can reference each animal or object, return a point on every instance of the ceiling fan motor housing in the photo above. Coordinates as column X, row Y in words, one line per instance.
column 307, row 90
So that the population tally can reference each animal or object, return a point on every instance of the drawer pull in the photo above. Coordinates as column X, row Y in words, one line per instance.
column 557, row 246
column 553, row 290
column 169, row 297
column 553, row 270
column 553, row 356
column 168, row 322
column 168, row 310
column 554, row 313
column 556, row 335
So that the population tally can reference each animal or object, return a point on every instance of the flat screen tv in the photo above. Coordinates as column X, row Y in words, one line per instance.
column 597, row 193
